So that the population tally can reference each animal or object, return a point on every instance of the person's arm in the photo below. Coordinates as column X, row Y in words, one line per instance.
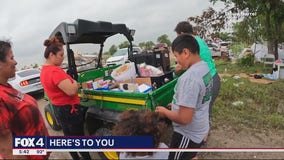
column 64, row 82
column 178, row 69
column 6, row 142
column 68, row 87
column 6, row 145
column 28, row 121
column 6, row 137
column 182, row 116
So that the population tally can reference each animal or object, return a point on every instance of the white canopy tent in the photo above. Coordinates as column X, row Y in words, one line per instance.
column 261, row 51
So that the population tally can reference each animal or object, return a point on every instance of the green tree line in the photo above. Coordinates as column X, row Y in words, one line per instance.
column 148, row 45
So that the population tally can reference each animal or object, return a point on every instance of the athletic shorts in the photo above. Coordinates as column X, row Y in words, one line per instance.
column 180, row 141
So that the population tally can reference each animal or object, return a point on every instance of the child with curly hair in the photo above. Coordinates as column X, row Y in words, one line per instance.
column 141, row 123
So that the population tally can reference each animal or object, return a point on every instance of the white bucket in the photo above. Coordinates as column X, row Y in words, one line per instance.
column 124, row 72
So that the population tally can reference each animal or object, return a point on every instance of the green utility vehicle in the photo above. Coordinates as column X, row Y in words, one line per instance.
column 104, row 106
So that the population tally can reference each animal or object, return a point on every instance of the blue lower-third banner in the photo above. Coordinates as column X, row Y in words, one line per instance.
column 39, row 145
column 102, row 142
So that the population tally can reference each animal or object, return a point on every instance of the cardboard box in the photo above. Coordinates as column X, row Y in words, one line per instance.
column 140, row 81
column 154, row 82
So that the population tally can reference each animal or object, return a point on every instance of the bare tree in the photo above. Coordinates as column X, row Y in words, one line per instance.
column 209, row 22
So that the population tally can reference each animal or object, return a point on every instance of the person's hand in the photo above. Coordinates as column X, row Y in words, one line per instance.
column 169, row 106
column 79, row 85
column 178, row 69
column 76, row 83
column 161, row 111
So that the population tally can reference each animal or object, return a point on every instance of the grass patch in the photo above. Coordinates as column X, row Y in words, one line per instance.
column 235, row 68
column 242, row 103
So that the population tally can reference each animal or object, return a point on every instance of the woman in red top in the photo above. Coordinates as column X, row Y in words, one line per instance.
column 19, row 113
column 62, row 90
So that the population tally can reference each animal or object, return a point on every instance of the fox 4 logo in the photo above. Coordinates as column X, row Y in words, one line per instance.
column 29, row 142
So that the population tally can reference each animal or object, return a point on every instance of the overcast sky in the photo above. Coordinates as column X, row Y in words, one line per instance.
column 27, row 23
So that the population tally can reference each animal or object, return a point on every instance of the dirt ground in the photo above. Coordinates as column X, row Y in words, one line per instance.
column 247, row 140
column 225, row 137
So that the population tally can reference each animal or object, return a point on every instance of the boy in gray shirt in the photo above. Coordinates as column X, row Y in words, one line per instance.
column 190, row 104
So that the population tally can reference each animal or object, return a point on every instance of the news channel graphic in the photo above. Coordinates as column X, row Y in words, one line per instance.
column 29, row 145
column 39, row 145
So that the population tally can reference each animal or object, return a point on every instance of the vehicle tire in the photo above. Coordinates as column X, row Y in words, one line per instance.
column 97, row 127
column 51, row 119
column 91, row 124
column 106, row 155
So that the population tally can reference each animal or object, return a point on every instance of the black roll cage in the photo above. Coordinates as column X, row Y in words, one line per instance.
column 84, row 31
